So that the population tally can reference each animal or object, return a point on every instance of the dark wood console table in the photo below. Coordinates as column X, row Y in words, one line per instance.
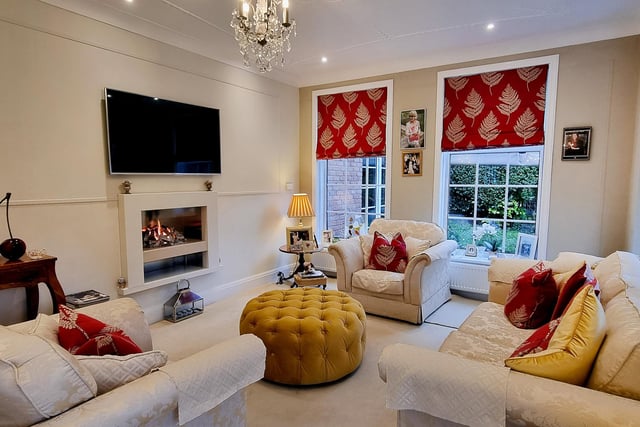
column 28, row 273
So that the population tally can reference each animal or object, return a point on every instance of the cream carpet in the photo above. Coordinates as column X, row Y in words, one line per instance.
column 357, row 400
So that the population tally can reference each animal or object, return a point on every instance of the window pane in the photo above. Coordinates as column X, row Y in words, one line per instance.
column 523, row 175
column 462, row 174
column 461, row 201
column 491, row 202
column 523, row 203
column 460, row 230
column 492, row 174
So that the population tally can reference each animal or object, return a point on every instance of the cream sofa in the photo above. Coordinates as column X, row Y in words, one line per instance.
column 206, row 388
column 466, row 383
column 410, row 296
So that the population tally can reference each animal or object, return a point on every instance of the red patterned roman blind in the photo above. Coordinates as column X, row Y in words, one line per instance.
column 495, row 109
column 352, row 124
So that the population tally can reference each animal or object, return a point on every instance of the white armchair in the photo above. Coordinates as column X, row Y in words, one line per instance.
column 410, row 296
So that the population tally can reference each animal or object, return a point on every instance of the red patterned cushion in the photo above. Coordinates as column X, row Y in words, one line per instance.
column 571, row 283
column 388, row 255
column 532, row 298
column 538, row 341
column 82, row 334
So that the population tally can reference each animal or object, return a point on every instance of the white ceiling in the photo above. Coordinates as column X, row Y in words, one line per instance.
column 363, row 38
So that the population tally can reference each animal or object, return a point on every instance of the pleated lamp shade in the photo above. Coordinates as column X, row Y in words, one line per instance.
column 300, row 207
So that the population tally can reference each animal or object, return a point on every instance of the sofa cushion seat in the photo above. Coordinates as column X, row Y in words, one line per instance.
column 379, row 281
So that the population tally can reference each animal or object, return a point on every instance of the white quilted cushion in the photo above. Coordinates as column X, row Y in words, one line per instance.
column 380, row 281
column 416, row 246
column 111, row 371
column 38, row 379
column 45, row 326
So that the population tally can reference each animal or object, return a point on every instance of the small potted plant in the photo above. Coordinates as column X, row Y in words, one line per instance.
column 487, row 236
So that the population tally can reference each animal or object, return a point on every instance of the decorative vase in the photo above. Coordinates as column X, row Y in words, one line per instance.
column 12, row 248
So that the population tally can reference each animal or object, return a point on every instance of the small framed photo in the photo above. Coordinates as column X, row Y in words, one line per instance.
column 412, row 124
column 412, row 163
column 296, row 236
column 526, row 245
column 576, row 143
column 327, row 238
column 471, row 250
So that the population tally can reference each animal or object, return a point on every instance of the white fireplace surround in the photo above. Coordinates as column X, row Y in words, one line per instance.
column 133, row 257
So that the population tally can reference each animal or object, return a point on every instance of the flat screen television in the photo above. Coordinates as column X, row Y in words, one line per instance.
column 148, row 135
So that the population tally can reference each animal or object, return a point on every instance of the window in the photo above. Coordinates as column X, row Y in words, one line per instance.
column 353, row 191
column 497, row 187
column 351, row 175
column 506, row 187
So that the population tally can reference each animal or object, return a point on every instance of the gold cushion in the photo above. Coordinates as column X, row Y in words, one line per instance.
column 574, row 345
column 312, row 336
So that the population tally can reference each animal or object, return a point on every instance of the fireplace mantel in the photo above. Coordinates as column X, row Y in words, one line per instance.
column 147, row 268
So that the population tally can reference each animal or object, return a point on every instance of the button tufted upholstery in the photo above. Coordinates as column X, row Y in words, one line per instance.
column 312, row 336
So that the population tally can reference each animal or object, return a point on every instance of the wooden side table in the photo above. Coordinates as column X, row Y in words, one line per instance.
column 299, row 266
column 28, row 273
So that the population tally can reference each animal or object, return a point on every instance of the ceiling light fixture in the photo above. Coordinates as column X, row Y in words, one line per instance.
column 259, row 32
column 324, row 59
column 490, row 26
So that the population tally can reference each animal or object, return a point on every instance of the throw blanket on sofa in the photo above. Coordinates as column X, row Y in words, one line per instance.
column 426, row 387
column 204, row 388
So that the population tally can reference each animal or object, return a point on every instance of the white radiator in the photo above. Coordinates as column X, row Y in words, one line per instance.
column 469, row 277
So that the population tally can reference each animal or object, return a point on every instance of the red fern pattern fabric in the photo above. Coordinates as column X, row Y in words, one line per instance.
column 352, row 124
column 82, row 334
column 532, row 298
column 538, row 341
column 495, row 109
column 388, row 255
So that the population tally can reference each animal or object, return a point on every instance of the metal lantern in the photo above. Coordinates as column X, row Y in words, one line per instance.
column 184, row 304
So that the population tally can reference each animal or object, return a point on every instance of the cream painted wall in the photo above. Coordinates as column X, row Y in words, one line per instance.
column 597, row 86
column 55, row 66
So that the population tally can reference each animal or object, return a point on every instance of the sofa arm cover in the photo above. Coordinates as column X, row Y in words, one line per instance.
column 210, row 376
column 349, row 259
column 417, row 278
column 464, row 391
column 530, row 400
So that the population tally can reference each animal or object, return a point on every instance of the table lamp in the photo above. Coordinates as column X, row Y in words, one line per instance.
column 300, row 207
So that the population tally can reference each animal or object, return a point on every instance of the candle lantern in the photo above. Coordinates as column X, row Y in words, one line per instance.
column 184, row 304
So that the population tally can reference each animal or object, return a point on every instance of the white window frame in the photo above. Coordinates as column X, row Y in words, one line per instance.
column 440, row 191
column 318, row 172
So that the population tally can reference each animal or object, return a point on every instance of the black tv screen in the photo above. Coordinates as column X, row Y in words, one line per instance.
column 148, row 135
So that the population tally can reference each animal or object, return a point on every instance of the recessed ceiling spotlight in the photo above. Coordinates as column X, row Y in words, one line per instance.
column 324, row 59
column 129, row 1
column 491, row 26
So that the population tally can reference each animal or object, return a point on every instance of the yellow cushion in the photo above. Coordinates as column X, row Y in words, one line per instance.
column 574, row 345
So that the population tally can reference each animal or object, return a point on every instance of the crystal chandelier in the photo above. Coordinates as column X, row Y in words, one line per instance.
column 260, row 33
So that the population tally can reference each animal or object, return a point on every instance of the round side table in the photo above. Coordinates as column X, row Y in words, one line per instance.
column 299, row 267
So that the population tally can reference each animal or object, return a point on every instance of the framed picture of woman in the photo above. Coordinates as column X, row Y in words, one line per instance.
column 412, row 124
column 576, row 143
column 296, row 236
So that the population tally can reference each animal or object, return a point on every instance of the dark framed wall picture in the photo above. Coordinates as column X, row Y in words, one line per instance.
column 576, row 143
column 412, row 123
column 412, row 163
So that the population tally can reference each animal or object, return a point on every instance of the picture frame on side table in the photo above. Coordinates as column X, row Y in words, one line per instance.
column 412, row 163
column 471, row 250
column 327, row 238
column 297, row 235
column 526, row 245
column 576, row 143
column 412, row 126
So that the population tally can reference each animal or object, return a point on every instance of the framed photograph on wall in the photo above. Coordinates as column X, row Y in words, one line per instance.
column 327, row 238
column 296, row 236
column 576, row 143
column 412, row 126
column 412, row 163
column 526, row 245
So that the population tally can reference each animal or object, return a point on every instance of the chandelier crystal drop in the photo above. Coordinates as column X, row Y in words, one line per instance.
column 261, row 35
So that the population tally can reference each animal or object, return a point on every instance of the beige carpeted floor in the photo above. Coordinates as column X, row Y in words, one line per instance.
column 356, row 400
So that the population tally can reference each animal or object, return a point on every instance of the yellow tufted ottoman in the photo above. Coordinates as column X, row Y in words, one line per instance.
column 312, row 336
